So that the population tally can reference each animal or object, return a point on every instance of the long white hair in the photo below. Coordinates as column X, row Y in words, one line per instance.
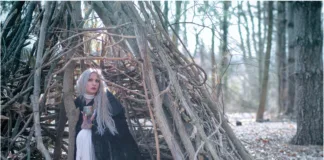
column 101, row 102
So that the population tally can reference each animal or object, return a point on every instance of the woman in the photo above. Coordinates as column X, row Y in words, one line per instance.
column 103, row 134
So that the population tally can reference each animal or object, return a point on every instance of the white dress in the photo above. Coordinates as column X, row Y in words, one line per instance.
column 84, row 145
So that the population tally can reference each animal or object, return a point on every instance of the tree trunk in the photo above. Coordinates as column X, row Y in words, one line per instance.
column 68, row 81
column 253, row 30
column 177, row 20
column 290, row 110
column 308, row 36
column 224, row 50
column 281, row 55
column 197, row 45
column 240, row 12
column 37, row 79
column 185, row 39
column 165, row 12
column 71, row 111
column 263, row 99
column 213, row 60
column 247, row 29
column 242, row 46
column 260, row 51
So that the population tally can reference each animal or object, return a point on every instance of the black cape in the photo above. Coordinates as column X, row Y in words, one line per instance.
column 121, row 146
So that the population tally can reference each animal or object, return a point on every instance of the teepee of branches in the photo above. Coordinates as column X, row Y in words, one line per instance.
column 169, row 109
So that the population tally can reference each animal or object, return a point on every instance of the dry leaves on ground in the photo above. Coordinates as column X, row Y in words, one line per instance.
column 270, row 140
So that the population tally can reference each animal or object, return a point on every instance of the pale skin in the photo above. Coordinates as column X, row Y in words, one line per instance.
column 91, row 89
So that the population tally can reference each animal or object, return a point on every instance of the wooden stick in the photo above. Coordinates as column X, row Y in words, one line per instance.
column 15, row 98
column 37, row 77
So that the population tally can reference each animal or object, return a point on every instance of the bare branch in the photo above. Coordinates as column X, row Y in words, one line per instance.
column 37, row 76
column 15, row 98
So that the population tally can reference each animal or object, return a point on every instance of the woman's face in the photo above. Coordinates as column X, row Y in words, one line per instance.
column 93, row 84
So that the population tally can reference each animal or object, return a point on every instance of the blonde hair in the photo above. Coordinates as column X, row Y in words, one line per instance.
column 101, row 102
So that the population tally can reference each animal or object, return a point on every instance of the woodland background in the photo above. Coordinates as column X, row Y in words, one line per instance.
column 180, row 68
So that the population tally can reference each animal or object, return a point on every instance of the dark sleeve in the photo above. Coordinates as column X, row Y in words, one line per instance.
column 127, row 142
column 115, row 104
column 78, row 124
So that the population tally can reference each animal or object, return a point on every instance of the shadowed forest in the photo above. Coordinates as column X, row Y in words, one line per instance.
column 199, row 80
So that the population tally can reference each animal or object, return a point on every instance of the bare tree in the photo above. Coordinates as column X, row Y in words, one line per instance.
column 290, row 110
column 240, row 12
column 185, row 39
column 213, row 60
column 224, row 44
column 177, row 20
column 260, row 44
column 281, row 55
column 253, row 30
column 247, row 29
column 166, row 14
column 263, row 98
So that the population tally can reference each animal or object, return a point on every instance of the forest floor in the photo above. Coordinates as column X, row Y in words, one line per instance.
column 270, row 140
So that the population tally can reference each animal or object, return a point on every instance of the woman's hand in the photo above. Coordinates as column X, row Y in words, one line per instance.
column 87, row 123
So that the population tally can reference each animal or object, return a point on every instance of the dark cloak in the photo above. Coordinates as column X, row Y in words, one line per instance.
column 121, row 146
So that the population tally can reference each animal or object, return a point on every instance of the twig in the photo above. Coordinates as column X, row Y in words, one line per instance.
column 137, row 100
column 205, row 74
column 200, row 25
column 105, row 28
column 15, row 98
column 166, row 19
column 25, row 126
column 101, row 58
column 167, row 89
column 116, row 85
column 127, row 75
column 202, row 144
column 32, row 130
